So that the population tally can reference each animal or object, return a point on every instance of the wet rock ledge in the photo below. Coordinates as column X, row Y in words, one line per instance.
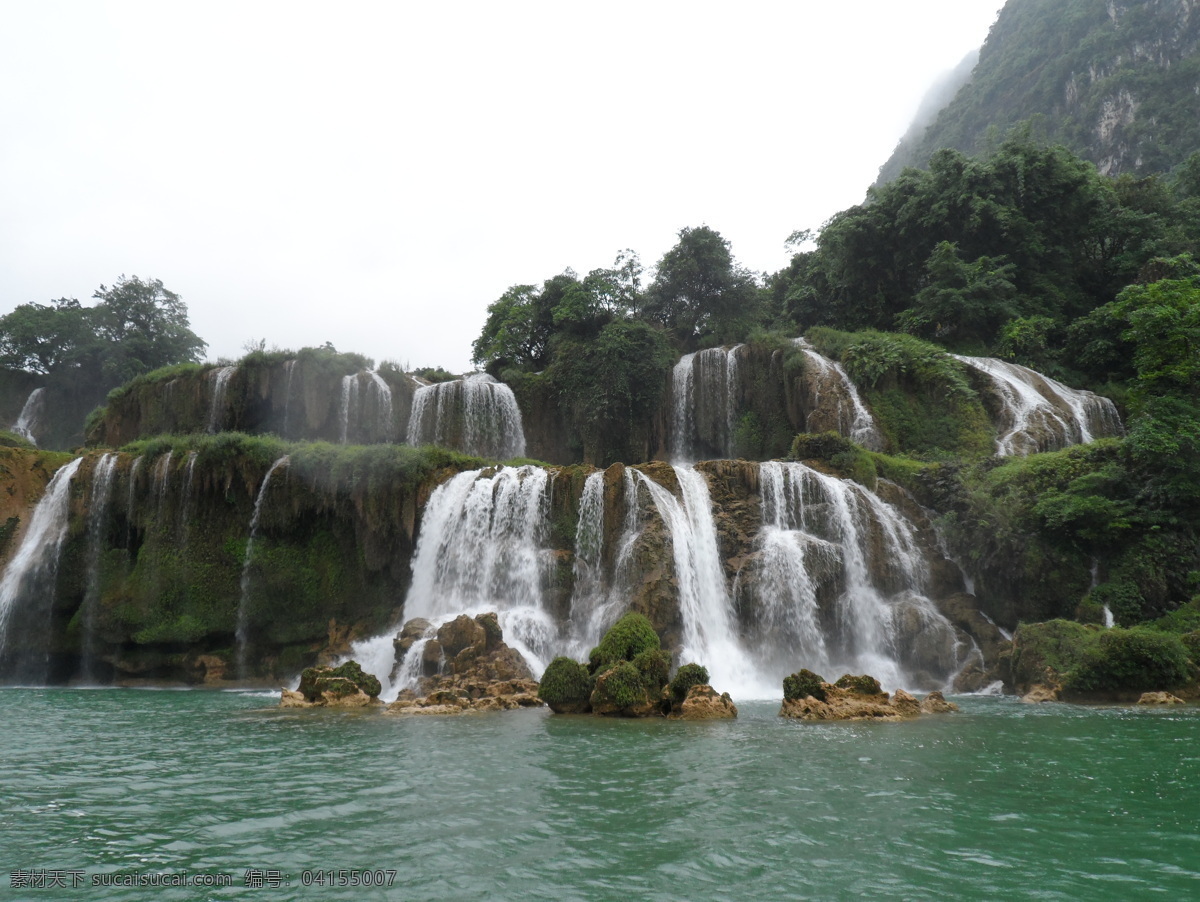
column 806, row 696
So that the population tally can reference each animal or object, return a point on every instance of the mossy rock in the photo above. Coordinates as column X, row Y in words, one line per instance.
column 654, row 665
column 628, row 638
column 566, row 687
column 804, row 683
column 1131, row 660
column 339, row 681
column 620, row 690
column 686, row 677
column 861, row 685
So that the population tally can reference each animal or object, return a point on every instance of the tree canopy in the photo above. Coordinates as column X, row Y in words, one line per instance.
column 137, row 326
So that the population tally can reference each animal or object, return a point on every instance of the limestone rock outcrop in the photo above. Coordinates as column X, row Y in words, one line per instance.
column 346, row 686
column 854, row 698
column 469, row 669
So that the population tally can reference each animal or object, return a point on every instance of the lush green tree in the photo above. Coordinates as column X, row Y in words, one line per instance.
column 142, row 326
column 966, row 301
column 699, row 289
column 137, row 326
column 44, row 338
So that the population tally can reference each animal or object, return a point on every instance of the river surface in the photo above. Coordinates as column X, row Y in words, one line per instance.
column 1000, row 801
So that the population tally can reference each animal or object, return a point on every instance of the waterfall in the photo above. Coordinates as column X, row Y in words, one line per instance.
column 709, row 628
column 290, row 368
column 476, row 415
column 27, row 588
column 482, row 547
column 838, row 585
column 216, row 408
column 243, row 612
column 703, row 405
column 97, row 519
column 835, row 403
column 1040, row 414
column 160, row 482
column 366, row 416
column 186, row 503
column 31, row 415
column 597, row 599
column 379, row 396
column 349, row 402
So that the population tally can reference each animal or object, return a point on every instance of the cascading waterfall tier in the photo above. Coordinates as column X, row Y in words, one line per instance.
column 482, row 548
column 27, row 589
column 243, row 611
column 217, row 408
column 476, row 415
column 31, row 415
column 103, row 477
column 710, row 634
column 834, row 402
column 704, row 405
column 366, row 411
column 838, row 584
column 1039, row 414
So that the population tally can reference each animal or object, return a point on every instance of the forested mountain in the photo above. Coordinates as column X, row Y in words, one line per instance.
column 1117, row 81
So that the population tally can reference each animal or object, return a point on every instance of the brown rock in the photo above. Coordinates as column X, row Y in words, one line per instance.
column 290, row 699
column 1159, row 698
column 460, row 634
column 935, row 703
column 1040, row 692
column 213, row 668
column 906, row 704
column 703, row 703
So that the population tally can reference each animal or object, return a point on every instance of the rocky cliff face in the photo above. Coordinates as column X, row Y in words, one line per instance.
column 1117, row 81
column 314, row 395
column 211, row 562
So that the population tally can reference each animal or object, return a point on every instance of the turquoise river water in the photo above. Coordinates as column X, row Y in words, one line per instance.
column 999, row 801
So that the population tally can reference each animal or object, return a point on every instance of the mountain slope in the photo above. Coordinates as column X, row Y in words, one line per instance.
column 1117, row 81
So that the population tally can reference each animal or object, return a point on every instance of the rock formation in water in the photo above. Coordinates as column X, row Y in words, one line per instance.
column 464, row 665
column 806, row 696
column 344, row 686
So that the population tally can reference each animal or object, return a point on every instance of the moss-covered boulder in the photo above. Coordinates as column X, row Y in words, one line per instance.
column 803, row 684
column 621, row 691
column 344, row 686
column 625, row 640
column 686, row 677
column 860, row 685
column 566, row 687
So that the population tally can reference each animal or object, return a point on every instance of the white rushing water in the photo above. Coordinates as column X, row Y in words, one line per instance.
column 476, row 415
column 216, row 408
column 289, row 367
column 830, row 384
column 30, row 577
column 704, row 405
column 31, row 414
column 103, row 477
column 710, row 634
column 482, row 548
column 840, row 585
column 600, row 594
column 243, row 611
column 1041, row 414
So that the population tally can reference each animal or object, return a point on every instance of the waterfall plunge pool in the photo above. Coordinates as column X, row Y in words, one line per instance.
column 1002, row 800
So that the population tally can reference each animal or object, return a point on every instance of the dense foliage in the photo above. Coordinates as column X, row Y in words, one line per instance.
column 1113, row 81
column 137, row 326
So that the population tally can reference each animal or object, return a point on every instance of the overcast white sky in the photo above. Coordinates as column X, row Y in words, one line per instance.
column 374, row 174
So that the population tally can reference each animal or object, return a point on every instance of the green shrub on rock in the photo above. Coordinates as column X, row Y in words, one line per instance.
column 619, row 687
column 803, row 684
column 628, row 638
column 340, row 681
column 1133, row 660
column 688, row 675
column 863, row 685
column 566, row 686
column 654, row 665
